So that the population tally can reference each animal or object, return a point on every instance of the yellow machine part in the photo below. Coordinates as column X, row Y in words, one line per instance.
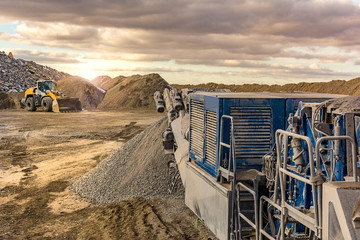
column 29, row 91
column 60, row 104
column 65, row 104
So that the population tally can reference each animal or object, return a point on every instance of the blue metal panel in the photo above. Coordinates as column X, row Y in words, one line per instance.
column 252, row 111
column 251, row 156
column 196, row 133
column 212, row 104
column 222, row 106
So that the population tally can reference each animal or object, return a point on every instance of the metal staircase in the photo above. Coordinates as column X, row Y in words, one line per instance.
column 246, row 185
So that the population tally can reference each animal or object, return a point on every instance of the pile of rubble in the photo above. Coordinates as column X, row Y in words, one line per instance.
column 17, row 75
column 137, row 169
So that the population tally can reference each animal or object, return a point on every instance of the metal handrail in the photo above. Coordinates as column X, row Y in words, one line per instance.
column 230, row 146
column 261, row 230
column 353, row 149
column 253, row 193
column 354, row 160
column 282, row 171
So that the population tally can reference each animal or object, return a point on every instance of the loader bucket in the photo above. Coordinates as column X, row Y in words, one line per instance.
column 66, row 104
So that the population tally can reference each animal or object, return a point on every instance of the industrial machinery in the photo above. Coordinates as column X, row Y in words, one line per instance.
column 44, row 95
column 267, row 165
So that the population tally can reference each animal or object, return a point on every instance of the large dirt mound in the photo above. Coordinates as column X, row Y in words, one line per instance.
column 106, row 82
column 17, row 75
column 133, row 92
column 103, row 82
column 89, row 95
column 351, row 87
column 138, row 169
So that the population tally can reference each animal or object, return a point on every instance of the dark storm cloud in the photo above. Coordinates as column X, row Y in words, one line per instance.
column 315, row 19
column 245, row 34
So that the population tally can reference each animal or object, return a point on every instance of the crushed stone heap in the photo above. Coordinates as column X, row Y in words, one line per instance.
column 17, row 75
column 138, row 169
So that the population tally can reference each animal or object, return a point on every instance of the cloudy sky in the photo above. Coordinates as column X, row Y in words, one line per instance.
column 188, row 41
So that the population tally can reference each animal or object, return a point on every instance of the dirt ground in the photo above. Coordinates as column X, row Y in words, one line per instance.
column 42, row 153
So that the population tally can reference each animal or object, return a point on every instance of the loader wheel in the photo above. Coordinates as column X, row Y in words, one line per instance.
column 30, row 104
column 46, row 103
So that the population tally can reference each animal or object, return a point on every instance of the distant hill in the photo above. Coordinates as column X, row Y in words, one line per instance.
column 132, row 92
column 103, row 82
column 90, row 96
column 106, row 82
column 351, row 87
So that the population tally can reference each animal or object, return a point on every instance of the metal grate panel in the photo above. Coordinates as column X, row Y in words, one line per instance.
column 197, row 127
column 210, row 136
column 252, row 130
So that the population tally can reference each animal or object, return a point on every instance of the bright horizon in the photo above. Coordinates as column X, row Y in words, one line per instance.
column 187, row 42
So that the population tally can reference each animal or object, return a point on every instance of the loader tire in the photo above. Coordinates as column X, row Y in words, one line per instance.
column 30, row 104
column 46, row 103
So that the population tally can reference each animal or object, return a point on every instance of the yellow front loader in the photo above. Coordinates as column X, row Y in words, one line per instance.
column 44, row 95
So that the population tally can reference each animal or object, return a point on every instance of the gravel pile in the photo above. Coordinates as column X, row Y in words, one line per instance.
column 138, row 169
column 346, row 104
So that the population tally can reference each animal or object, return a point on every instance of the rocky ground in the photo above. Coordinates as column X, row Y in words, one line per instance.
column 42, row 154
column 17, row 75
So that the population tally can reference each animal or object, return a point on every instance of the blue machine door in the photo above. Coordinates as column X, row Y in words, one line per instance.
column 255, row 123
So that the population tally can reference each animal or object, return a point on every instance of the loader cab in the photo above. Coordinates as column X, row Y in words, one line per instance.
column 45, row 85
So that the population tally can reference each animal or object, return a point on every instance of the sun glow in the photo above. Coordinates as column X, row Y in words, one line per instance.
column 87, row 71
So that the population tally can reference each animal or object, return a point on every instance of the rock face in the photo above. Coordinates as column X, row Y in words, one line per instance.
column 17, row 75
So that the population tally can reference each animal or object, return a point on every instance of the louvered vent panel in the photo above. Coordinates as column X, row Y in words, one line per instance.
column 252, row 130
column 210, row 136
column 197, row 127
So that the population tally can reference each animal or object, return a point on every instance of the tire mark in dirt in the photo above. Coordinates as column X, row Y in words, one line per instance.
column 14, row 151
column 19, row 221
column 135, row 218
column 129, row 131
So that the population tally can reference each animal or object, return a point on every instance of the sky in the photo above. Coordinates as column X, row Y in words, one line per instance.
column 188, row 41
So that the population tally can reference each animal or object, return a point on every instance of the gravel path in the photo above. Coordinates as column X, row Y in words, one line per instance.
column 138, row 169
